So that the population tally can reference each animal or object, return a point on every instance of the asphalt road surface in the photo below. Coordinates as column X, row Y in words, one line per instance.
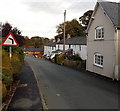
column 65, row 88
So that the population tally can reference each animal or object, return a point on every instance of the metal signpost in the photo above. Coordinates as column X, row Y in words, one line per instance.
column 10, row 41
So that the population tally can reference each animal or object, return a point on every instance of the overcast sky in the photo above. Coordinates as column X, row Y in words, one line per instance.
column 40, row 17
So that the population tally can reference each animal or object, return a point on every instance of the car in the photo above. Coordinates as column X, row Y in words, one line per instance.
column 47, row 57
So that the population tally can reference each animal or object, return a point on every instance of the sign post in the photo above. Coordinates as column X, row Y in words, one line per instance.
column 10, row 50
column 10, row 41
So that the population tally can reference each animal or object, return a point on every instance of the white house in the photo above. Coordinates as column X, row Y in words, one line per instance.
column 103, row 40
column 48, row 48
column 78, row 44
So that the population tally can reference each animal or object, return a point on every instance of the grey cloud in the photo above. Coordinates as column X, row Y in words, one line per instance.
column 82, row 6
column 56, row 6
column 47, row 7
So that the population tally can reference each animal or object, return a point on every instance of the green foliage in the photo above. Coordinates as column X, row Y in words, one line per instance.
column 4, row 90
column 13, row 67
column 7, row 76
column 35, row 42
column 6, row 68
column 86, row 18
column 75, row 62
column 75, row 57
column 6, row 60
column 60, row 59
column 73, row 28
column 16, row 63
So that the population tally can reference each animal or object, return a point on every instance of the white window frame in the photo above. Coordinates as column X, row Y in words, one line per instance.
column 98, row 59
column 99, row 33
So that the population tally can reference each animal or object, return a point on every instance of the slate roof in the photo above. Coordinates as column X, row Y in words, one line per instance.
column 57, row 51
column 49, row 44
column 33, row 50
column 52, row 44
column 112, row 9
column 74, row 41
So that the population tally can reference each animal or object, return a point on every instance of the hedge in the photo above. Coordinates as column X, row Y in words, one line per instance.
column 11, row 69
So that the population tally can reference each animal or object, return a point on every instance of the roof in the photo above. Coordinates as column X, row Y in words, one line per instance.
column 74, row 41
column 33, row 50
column 112, row 10
column 49, row 44
column 57, row 51
column 52, row 44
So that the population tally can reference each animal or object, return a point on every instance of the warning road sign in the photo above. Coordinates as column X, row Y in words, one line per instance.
column 10, row 41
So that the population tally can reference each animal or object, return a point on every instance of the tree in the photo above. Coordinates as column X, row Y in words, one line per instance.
column 28, row 42
column 46, row 40
column 84, row 20
column 73, row 28
column 35, row 42
column 6, row 28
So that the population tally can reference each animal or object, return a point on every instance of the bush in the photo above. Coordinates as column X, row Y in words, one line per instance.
column 75, row 57
column 7, row 76
column 4, row 90
column 6, row 68
column 6, row 60
column 59, row 58
column 11, row 69
column 17, row 63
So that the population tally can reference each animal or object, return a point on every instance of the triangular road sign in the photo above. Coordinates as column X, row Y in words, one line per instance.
column 10, row 41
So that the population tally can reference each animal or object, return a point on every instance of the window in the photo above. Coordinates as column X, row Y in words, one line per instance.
column 98, row 59
column 99, row 31
column 80, row 47
column 69, row 46
column 58, row 47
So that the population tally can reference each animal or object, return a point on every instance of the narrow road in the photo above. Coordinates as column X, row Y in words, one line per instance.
column 65, row 88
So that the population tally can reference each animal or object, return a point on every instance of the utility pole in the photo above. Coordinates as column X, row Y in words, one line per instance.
column 64, row 32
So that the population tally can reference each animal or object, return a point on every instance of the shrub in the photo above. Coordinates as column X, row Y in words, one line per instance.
column 6, row 60
column 4, row 90
column 60, row 59
column 75, row 57
column 1, row 90
column 11, row 69
column 6, row 68
column 16, row 63
column 7, row 76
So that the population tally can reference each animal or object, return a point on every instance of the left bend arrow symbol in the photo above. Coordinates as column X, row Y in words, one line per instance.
column 12, row 40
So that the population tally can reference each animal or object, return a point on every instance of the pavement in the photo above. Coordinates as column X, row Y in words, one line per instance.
column 66, row 88
column 27, row 96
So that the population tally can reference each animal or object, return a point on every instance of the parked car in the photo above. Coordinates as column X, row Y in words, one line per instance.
column 47, row 57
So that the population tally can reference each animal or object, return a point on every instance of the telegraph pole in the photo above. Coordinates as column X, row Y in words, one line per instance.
column 64, row 32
